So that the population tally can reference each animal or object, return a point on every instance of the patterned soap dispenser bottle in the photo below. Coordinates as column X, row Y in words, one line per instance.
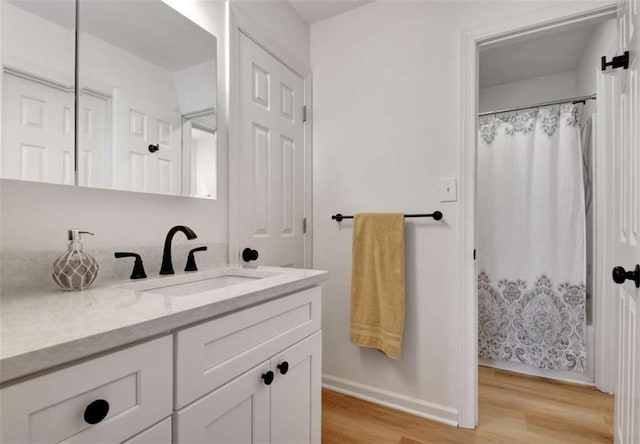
column 75, row 269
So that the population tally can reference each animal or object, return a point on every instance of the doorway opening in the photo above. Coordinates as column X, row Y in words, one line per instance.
column 535, row 94
column 536, row 166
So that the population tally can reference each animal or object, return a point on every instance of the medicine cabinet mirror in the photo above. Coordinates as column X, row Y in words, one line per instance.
column 146, row 96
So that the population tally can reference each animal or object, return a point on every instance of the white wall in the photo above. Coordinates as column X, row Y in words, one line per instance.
column 386, row 129
column 279, row 27
column 191, row 84
column 36, row 45
column 603, row 41
column 528, row 92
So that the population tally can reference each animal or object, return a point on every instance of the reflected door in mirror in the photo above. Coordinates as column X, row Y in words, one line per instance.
column 139, row 124
column 151, row 70
column 38, row 123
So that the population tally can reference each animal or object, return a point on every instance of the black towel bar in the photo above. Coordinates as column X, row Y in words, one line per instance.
column 437, row 215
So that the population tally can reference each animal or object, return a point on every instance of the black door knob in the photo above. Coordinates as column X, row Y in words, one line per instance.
column 96, row 411
column 283, row 367
column 620, row 275
column 249, row 255
column 153, row 148
column 268, row 377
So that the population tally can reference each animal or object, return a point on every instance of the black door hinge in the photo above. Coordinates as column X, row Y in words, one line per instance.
column 621, row 61
column 474, row 254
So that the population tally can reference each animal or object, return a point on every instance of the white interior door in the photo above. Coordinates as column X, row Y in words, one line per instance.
column 138, row 124
column 271, row 158
column 37, row 131
column 626, row 250
column 92, row 140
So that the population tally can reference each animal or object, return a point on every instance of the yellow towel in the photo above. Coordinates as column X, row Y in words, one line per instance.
column 377, row 281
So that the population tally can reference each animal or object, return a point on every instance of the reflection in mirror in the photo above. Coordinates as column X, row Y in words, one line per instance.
column 147, row 99
column 38, row 87
column 200, row 149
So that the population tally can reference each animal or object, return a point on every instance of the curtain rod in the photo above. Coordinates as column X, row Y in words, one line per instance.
column 538, row 105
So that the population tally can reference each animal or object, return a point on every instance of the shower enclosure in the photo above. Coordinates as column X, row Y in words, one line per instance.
column 532, row 205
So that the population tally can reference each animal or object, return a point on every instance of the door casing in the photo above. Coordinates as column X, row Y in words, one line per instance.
column 555, row 18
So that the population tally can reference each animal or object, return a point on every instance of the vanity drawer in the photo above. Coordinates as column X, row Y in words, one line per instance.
column 211, row 354
column 135, row 382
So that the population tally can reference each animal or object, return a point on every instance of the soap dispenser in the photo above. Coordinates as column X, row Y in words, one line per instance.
column 75, row 269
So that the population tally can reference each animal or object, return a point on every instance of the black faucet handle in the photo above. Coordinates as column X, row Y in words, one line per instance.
column 191, row 260
column 138, row 268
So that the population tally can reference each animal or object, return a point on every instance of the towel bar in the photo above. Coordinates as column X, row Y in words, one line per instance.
column 437, row 215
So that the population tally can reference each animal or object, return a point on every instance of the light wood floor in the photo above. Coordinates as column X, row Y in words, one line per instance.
column 513, row 409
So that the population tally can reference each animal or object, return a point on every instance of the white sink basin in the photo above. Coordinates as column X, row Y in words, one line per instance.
column 199, row 282
column 189, row 288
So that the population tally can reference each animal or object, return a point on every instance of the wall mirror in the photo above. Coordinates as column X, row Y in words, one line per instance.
column 146, row 97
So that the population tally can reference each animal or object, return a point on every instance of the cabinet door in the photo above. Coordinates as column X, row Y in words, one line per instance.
column 296, row 394
column 237, row 412
column 158, row 434
column 104, row 400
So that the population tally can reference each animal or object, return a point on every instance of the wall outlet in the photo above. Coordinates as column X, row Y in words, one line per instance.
column 448, row 189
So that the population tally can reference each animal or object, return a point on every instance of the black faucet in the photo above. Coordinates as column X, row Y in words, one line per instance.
column 138, row 267
column 167, row 264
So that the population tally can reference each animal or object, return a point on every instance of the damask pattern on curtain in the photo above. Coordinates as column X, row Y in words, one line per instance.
column 531, row 239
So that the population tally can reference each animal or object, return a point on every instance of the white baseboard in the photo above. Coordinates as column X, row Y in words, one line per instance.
column 407, row 404
column 558, row 375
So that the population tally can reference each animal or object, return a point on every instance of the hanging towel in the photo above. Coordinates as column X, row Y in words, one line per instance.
column 377, row 282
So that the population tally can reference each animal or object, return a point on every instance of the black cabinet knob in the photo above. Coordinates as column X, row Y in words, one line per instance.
column 249, row 255
column 283, row 367
column 153, row 148
column 620, row 275
column 96, row 411
column 268, row 377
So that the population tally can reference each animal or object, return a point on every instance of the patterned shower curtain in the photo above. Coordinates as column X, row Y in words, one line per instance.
column 531, row 239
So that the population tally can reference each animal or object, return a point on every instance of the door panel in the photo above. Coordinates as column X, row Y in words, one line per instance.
column 139, row 123
column 626, row 250
column 37, row 131
column 271, row 157
column 92, row 138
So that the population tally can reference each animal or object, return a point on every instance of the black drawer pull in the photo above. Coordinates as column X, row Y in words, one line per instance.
column 96, row 411
column 268, row 377
column 283, row 367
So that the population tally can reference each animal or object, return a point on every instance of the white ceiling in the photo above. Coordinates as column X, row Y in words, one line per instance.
column 539, row 56
column 313, row 11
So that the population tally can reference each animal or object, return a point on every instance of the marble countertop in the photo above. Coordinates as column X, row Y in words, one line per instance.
column 42, row 330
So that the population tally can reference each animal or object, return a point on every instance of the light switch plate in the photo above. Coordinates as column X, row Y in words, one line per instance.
column 448, row 189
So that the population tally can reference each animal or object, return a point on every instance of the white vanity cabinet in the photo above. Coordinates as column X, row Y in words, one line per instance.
column 253, row 408
column 256, row 375
column 107, row 399
column 249, row 376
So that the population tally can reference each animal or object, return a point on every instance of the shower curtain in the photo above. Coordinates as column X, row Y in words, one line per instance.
column 531, row 239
